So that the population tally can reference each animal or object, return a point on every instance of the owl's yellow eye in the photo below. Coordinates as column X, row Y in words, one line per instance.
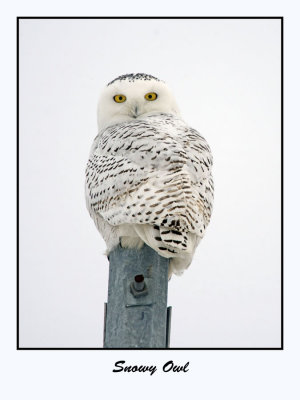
column 151, row 96
column 119, row 98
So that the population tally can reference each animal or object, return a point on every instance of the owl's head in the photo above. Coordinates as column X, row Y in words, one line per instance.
column 134, row 96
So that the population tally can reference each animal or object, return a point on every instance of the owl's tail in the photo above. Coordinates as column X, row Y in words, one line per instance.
column 170, row 243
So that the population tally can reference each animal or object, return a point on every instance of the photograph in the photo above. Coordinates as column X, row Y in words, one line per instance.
column 150, row 187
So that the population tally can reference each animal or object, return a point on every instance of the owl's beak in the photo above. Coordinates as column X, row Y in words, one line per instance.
column 135, row 112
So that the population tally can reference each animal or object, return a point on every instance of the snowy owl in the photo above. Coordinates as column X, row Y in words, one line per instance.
column 148, row 177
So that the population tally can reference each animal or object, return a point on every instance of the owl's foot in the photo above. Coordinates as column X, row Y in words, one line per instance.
column 129, row 242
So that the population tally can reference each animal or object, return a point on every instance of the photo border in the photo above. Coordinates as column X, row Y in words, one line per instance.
column 282, row 190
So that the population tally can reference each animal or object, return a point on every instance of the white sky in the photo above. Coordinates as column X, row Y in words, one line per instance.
column 226, row 78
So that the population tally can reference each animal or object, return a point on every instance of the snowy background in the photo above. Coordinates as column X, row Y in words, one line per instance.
column 226, row 78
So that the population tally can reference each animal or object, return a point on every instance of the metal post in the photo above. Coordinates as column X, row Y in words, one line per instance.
column 136, row 313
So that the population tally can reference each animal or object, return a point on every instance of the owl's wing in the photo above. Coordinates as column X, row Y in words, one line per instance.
column 200, row 161
column 156, row 171
column 112, row 183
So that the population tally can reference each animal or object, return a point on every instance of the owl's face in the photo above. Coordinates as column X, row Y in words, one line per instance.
column 132, row 97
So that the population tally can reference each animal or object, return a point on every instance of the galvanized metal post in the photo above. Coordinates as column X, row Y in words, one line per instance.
column 136, row 312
